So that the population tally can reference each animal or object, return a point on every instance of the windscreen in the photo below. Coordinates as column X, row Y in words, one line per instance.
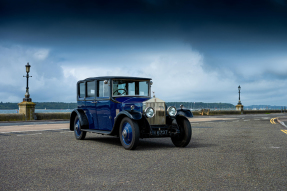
column 130, row 88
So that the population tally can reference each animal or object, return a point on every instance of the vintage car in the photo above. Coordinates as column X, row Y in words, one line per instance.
column 123, row 107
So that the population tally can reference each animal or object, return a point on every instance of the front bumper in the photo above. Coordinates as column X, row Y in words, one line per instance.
column 162, row 130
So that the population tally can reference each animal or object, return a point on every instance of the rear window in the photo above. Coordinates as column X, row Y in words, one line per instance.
column 91, row 89
column 82, row 90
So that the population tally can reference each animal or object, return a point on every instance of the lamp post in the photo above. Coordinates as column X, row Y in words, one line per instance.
column 27, row 107
column 239, row 106
column 239, row 88
column 27, row 95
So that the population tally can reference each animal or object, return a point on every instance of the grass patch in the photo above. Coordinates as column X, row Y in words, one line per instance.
column 267, row 113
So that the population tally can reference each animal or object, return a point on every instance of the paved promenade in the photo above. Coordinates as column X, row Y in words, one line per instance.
column 54, row 125
column 33, row 126
column 244, row 152
column 6, row 127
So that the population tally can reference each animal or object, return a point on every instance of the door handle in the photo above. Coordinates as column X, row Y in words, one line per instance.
column 94, row 102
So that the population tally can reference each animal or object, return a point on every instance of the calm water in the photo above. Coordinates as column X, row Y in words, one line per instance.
column 37, row 110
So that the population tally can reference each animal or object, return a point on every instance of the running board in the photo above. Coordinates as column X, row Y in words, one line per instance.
column 97, row 131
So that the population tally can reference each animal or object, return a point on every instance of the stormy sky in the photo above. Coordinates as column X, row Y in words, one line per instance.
column 198, row 51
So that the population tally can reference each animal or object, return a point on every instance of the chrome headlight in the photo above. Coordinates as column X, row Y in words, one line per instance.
column 149, row 112
column 171, row 111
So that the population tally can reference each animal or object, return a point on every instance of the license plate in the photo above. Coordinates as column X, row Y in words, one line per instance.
column 161, row 132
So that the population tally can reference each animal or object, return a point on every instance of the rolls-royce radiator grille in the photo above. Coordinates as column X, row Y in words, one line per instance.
column 160, row 117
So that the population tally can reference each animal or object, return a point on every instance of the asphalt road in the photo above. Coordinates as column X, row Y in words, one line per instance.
column 246, row 153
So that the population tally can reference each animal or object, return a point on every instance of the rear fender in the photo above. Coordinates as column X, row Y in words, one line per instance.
column 82, row 118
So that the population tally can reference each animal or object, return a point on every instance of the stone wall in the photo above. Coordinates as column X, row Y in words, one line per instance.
column 66, row 115
column 260, row 111
column 48, row 116
column 37, row 116
column 12, row 117
column 233, row 112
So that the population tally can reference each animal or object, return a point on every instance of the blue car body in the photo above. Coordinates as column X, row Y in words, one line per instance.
column 103, row 102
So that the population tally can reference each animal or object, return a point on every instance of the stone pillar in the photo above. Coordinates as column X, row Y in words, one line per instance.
column 28, row 109
column 239, row 107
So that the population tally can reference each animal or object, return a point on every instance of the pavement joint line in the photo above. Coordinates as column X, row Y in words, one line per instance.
column 247, row 120
column 67, row 132
column 275, row 147
column 30, row 134
column 256, row 119
column 33, row 130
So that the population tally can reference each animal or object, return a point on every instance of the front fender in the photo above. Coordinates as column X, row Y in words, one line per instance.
column 185, row 113
column 130, row 114
column 82, row 118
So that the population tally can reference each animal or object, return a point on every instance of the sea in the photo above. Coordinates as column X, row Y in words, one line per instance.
column 37, row 110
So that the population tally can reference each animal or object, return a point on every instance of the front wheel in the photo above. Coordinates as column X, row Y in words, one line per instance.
column 183, row 138
column 79, row 134
column 129, row 133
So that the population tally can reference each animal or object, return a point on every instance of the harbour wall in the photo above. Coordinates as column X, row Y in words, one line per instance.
column 37, row 116
column 66, row 115
column 49, row 116
column 233, row 112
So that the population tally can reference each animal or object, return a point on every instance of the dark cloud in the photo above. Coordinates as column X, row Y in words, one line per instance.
column 203, row 23
column 240, row 40
column 146, row 13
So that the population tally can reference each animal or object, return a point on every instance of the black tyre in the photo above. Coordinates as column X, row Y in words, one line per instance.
column 79, row 134
column 183, row 138
column 129, row 133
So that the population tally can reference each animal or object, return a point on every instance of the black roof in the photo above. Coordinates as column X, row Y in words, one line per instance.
column 116, row 77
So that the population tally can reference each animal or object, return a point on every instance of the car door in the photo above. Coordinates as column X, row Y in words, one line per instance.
column 91, row 103
column 81, row 96
column 103, row 105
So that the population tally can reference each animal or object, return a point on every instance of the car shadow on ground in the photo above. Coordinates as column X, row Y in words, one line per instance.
column 150, row 143
column 106, row 139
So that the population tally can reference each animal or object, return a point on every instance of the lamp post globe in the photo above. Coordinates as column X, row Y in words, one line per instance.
column 28, row 67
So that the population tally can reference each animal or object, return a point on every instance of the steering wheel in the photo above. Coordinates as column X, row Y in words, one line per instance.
column 124, row 93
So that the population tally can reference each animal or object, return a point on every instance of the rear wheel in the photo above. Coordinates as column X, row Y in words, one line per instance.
column 183, row 138
column 79, row 134
column 129, row 133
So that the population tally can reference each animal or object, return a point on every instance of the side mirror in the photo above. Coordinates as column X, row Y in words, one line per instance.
column 151, row 83
column 106, row 82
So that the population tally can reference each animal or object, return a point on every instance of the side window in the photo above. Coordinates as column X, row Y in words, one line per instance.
column 143, row 88
column 82, row 90
column 91, row 89
column 103, row 89
column 131, row 88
